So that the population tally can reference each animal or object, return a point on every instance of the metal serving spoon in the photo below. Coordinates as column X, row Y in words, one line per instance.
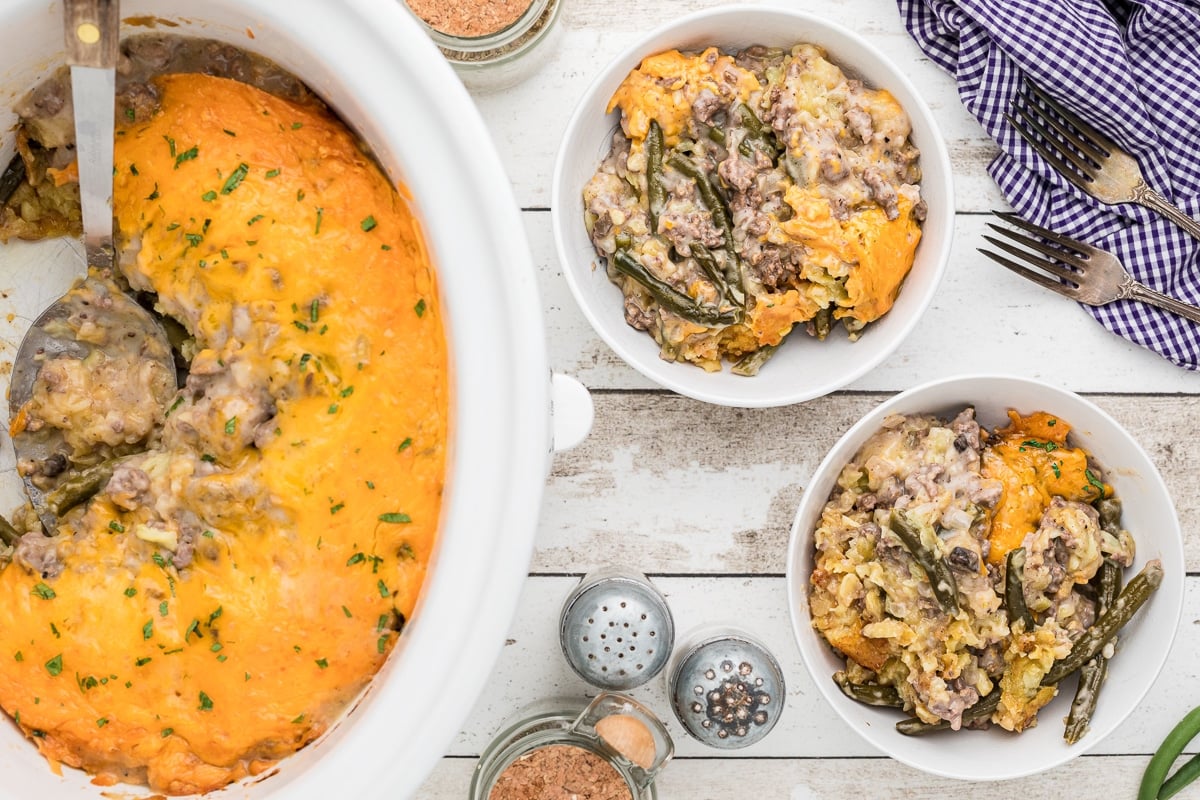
column 95, row 316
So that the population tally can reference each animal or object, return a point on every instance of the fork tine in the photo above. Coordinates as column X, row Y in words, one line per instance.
column 1097, row 139
column 1073, row 134
column 1082, row 248
column 1060, row 155
column 1036, row 277
column 1060, row 272
column 1078, row 265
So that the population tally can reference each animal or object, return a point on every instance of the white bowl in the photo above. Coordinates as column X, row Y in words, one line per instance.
column 1148, row 514
column 802, row 369
column 374, row 65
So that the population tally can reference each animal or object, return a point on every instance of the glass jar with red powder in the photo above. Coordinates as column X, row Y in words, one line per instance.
column 612, row 749
column 492, row 44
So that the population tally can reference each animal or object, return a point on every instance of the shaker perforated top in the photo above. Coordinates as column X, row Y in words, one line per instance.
column 616, row 630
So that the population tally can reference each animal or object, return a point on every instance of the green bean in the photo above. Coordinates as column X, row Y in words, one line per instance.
column 823, row 323
column 915, row 726
column 748, row 365
column 668, row 296
column 1092, row 674
column 78, row 488
column 1153, row 785
column 1110, row 514
column 717, row 135
column 1182, row 777
column 12, row 177
column 941, row 579
column 708, row 263
column 8, row 534
column 656, row 192
column 749, row 119
column 715, row 204
column 1014, row 588
column 871, row 694
column 1093, row 640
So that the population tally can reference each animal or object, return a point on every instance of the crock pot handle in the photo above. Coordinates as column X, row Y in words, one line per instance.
column 571, row 412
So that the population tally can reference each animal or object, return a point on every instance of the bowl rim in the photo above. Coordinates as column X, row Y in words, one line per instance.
column 665, row 373
column 1169, row 598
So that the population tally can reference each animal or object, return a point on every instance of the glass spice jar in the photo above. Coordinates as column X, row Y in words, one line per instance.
column 610, row 749
column 489, row 50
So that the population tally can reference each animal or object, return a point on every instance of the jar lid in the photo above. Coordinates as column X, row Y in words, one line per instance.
column 727, row 690
column 616, row 630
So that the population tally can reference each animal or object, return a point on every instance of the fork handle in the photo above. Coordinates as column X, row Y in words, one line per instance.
column 1147, row 295
column 1151, row 199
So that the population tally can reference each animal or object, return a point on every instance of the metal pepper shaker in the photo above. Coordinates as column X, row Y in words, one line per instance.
column 726, row 688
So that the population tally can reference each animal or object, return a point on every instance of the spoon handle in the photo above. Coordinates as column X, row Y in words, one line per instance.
column 92, row 31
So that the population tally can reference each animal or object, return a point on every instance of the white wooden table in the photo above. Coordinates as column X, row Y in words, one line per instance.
column 659, row 485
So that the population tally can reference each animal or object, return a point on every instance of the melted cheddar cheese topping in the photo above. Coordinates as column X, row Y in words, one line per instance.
column 302, row 464
column 1031, row 459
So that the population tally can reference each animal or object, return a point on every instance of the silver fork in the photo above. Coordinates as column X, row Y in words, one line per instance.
column 1079, row 271
column 1091, row 161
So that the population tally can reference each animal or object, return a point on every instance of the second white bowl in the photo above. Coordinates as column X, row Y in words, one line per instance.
column 802, row 369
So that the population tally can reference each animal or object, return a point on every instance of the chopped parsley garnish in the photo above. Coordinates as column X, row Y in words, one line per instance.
column 211, row 459
column 368, row 223
column 162, row 608
column 370, row 484
column 345, row 611
column 407, row 443
column 228, row 132
column 235, row 178
column 253, row 220
column 55, row 666
column 130, row 114
column 349, row 390
column 133, row 170
column 314, row 311
column 322, row 663
column 170, row 144
column 208, row 196
column 336, row 508
column 320, row 213
column 420, row 307
column 383, row 589
column 1094, row 481
column 406, row 552
column 153, row 195
column 357, row 558
column 186, row 155
column 167, row 732
column 230, row 426
column 43, row 591
column 193, row 628
column 141, row 662
column 116, row 527
column 130, row 591
column 19, row 656
column 272, row 173
column 300, row 325
column 215, row 615
column 1049, row 447
column 148, row 629
column 100, row 723
column 333, row 408
column 1057, row 470
column 194, row 239
column 381, row 644
column 206, row 702
column 395, row 517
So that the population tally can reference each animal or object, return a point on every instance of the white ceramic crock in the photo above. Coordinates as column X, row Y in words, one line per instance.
column 371, row 62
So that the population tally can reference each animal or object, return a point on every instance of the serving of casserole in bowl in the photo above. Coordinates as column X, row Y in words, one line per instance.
column 985, row 576
column 247, row 575
column 752, row 206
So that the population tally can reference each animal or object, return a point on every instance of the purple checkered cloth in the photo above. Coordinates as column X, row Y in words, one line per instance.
column 1132, row 69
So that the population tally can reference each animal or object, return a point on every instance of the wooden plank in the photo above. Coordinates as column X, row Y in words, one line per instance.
column 531, row 668
column 982, row 319
column 687, row 487
column 839, row 778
